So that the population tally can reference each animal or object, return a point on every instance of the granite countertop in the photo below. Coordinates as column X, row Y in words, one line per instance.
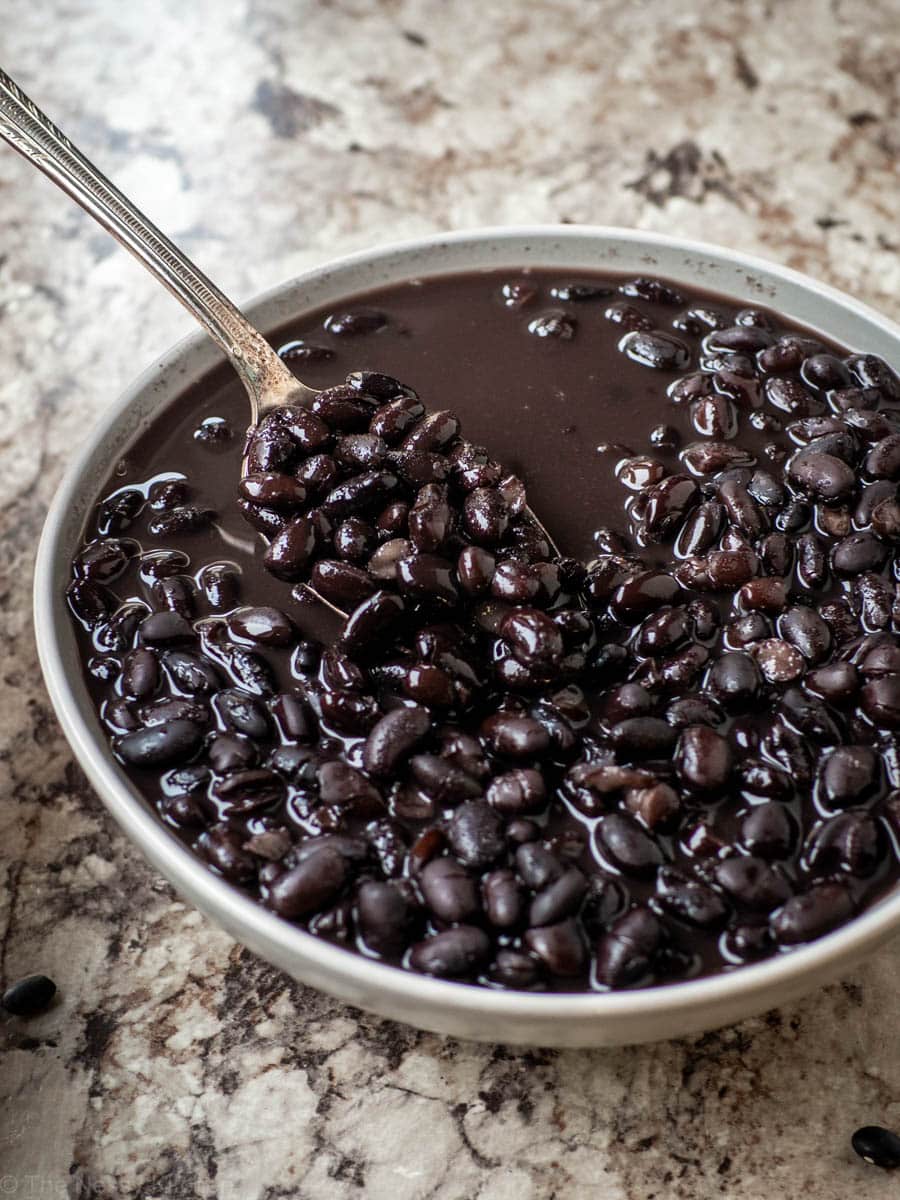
column 266, row 136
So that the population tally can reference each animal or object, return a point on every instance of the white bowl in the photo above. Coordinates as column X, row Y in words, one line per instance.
column 581, row 1019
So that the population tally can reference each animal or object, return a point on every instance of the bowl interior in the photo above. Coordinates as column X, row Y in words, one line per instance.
column 425, row 1001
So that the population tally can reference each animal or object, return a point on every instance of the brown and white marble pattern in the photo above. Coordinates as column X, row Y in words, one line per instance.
column 268, row 135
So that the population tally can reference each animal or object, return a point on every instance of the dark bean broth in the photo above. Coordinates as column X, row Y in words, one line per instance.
column 699, row 794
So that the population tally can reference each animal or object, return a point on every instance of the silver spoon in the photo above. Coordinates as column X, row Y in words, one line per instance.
column 268, row 381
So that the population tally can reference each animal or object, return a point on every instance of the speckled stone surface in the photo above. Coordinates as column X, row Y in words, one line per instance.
column 268, row 135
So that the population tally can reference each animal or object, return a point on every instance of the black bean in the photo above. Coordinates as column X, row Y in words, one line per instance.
column 341, row 784
column 559, row 899
column 191, row 673
column 516, row 737
column 689, row 900
column 857, row 553
column 825, row 372
column 627, row 845
column 822, row 475
column 373, row 619
column 877, row 1146
column 708, row 458
column 340, row 583
column 317, row 473
column 560, row 947
column 360, row 493
column 185, row 519
column 118, row 511
column 790, row 396
column 627, row 953
column 393, row 738
column 768, row 831
column 850, row 841
column 452, row 954
column 105, row 560
column 449, row 891
column 577, row 292
column 643, row 737
column 644, row 594
column 734, row 680
column 475, row 834
column 272, row 490
column 243, row 713
column 91, row 603
column 556, row 324
column 308, row 887
column 881, row 701
column 655, row 348
column 515, row 969
column 427, row 577
column 383, row 918
column 752, row 883
column 502, row 898
column 486, row 515
column 701, row 529
column 447, row 783
column 668, row 503
column 812, row 914
column 29, row 996
column 848, row 775
column 140, row 674
column 166, row 709
column 161, row 745
column 292, row 548
column 230, row 752
column 703, row 759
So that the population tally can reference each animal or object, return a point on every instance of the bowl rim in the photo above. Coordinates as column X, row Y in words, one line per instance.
column 238, row 912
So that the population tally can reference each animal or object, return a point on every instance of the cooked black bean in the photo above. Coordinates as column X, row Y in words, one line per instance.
column 626, row 954
column 689, row 900
column 561, row 947
column 556, row 324
column 452, row 954
column 822, row 475
column 28, row 996
column 242, row 712
column 292, row 548
column 449, row 890
column 313, row 883
column 393, row 738
column 475, row 834
column 281, row 492
column 627, row 845
column 734, row 680
column 850, row 841
column 881, row 701
column 877, row 1146
column 383, row 918
column 160, row 745
column 187, row 518
column 769, row 831
column 559, row 899
column 656, row 349
column 703, row 759
column 427, row 577
column 751, row 882
column 848, row 775
column 812, row 914
column 140, row 674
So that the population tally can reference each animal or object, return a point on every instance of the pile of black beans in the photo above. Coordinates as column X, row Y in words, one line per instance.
column 518, row 769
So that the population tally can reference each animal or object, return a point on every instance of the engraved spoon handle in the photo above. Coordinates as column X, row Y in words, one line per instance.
column 30, row 131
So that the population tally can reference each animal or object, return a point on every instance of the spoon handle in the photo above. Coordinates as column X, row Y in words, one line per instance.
column 30, row 131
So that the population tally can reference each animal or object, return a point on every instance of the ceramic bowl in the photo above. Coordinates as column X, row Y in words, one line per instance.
column 451, row 1008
